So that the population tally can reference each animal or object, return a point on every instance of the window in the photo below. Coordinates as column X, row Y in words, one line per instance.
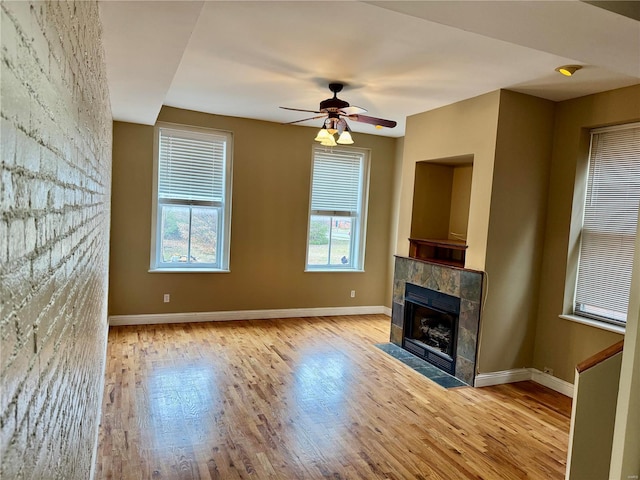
column 337, row 217
column 609, row 226
column 192, row 207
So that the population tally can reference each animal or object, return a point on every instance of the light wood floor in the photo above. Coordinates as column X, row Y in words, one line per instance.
column 310, row 398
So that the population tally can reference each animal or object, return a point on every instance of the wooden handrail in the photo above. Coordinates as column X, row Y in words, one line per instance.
column 599, row 357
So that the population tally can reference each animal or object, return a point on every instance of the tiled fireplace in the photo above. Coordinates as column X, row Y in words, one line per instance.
column 436, row 314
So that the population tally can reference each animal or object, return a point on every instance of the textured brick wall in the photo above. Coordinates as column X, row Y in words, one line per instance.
column 54, row 225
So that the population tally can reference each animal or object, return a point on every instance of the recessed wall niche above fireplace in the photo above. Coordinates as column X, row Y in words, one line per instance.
column 436, row 314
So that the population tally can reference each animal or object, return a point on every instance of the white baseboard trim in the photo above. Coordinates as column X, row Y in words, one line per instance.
column 499, row 378
column 554, row 383
column 522, row 374
column 155, row 318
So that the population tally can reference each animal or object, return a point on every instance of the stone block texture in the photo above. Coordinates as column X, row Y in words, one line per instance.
column 464, row 284
column 55, row 188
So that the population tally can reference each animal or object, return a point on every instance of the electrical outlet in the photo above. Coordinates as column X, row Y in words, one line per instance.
column 353, row 294
column 548, row 371
column 167, row 298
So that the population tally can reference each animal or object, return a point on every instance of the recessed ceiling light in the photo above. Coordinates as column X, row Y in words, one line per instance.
column 568, row 70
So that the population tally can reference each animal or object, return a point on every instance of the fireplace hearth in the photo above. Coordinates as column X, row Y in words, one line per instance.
column 431, row 326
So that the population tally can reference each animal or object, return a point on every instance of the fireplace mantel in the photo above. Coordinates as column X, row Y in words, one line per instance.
column 445, row 252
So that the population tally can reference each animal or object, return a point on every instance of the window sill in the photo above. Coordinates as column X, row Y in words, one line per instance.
column 333, row 270
column 594, row 323
column 188, row 270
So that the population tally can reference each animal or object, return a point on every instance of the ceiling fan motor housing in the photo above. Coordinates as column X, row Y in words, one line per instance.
column 333, row 104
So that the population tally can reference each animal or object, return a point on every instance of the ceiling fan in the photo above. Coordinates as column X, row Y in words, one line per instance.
column 335, row 112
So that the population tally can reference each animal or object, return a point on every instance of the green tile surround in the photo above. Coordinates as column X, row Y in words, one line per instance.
column 458, row 282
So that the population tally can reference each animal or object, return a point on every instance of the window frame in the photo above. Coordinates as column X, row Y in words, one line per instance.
column 224, row 207
column 581, row 316
column 359, row 218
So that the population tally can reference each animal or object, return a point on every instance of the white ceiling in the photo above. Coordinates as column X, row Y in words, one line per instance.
column 247, row 58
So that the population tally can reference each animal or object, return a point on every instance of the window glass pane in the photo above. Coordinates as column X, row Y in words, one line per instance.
column 319, row 230
column 341, row 229
column 175, row 234
column 204, row 235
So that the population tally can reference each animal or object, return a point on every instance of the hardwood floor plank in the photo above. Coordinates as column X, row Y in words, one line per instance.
column 310, row 398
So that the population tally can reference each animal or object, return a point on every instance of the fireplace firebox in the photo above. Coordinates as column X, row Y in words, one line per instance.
column 431, row 326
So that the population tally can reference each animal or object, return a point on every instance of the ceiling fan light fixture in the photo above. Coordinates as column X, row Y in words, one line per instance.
column 322, row 134
column 329, row 141
column 331, row 124
column 568, row 70
column 345, row 138
column 336, row 112
column 341, row 125
column 345, row 133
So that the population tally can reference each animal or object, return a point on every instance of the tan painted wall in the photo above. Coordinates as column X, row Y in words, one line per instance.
column 460, row 201
column 441, row 199
column 54, row 231
column 561, row 344
column 464, row 128
column 592, row 419
column 625, row 455
column 516, row 231
column 395, row 212
column 271, row 180
column 431, row 209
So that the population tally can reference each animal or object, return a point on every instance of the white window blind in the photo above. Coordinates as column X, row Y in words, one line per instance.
column 609, row 227
column 191, row 166
column 337, row 181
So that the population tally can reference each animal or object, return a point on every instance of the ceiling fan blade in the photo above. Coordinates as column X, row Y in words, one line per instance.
column 373, row 120
column 352, row 110
column 300, row 110
column 305, row 119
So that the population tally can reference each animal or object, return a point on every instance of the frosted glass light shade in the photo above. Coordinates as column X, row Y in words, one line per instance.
column 329, row 142
column 345, row 138
column 322, row 135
